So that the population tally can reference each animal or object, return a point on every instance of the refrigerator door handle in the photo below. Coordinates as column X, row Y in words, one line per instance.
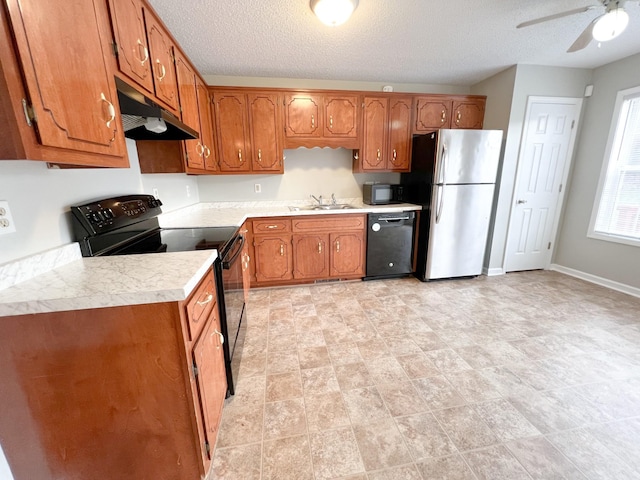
column 440, row 203
column 443, row 164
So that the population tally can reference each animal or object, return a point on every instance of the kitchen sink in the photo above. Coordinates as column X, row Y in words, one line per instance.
column 337, row 206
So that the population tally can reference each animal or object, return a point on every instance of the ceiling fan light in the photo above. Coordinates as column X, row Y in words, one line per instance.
column 333, row 12
column 610, row 25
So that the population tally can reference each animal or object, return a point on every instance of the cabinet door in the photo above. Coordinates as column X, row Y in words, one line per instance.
column 347, row 254
column 162, row 64
column 232, row 129
column 400, row 110
column 375, row 133
column 310, row 256
column 266, row 145
column 127, row 21
column 432, row 113
column 189, row 105
column 68, row 71
column 206, row 127
column 302, row 115
column 341, row 116
column 273, row 261
column 211, row 380
column 468, row 114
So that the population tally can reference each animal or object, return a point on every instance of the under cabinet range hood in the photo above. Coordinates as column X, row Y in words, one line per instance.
column 143, row 119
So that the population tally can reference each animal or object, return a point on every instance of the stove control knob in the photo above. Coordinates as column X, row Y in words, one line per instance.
column 108, row 213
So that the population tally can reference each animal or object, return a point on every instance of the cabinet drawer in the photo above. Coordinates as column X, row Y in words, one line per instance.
column 329, row 223
column 271, row 225
column 200, row 305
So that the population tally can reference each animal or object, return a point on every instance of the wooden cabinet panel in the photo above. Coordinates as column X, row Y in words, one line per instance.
column 386, row 141
column 273, row 260
column 68, row 74
column 127, row 21
column 266, row 144
column 200, row 306
column 302, row 115
column 310, row 256
column 341, row 116
column 432, row 113
column 400, row 134
column 232, row 130
column 186, row 78
column 206, row 127
column 375, row 132
column 468, row 114
column 162, row 63
column 328, row 223
column 208, row 359
column 275, row 224
column 347, row 254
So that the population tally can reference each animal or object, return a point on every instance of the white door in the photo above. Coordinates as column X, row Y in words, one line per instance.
column 548, row 137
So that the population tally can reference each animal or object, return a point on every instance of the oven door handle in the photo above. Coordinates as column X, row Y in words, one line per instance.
column 226, row 262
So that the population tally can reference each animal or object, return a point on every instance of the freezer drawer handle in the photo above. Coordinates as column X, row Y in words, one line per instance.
column 440, row 203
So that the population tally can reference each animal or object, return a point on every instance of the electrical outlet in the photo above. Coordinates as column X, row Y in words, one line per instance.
column 188, row 191
column 7, row 224
column 155, row 192
column 257, row 188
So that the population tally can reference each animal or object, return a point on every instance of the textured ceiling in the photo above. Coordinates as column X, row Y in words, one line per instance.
column 454, row 42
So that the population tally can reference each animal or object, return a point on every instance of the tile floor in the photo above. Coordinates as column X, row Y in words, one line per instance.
column 531, row 375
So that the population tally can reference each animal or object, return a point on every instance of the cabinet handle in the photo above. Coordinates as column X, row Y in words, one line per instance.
column 458, row 117
column 356, row 156
column 443, row 118
column 199, row 149
column 240, row 155
column 112, row 110
column 313, row 121
column 220, row 336
column 145, row 50
column 281, row 250
column 337, row 246
column 162, row 69
column 202, row 303
column 271, row 227
column 330, row 121
column 259, row 156
column 319, row 247
column 207, row 152
column 395, row 155
column 379, row 154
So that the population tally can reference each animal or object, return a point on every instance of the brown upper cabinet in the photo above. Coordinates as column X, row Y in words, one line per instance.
column 145, row 50
column 321, row 120
column 60, row 107
column 386, row 137
column 248, row 131
column 437, row 111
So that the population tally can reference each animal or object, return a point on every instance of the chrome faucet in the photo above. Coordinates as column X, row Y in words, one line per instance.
column 319, row 200
column 333, row 199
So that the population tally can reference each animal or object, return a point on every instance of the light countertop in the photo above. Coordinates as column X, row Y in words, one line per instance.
column 61, row 279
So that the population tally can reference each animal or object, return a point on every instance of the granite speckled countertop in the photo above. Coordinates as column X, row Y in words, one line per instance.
column 61, row 279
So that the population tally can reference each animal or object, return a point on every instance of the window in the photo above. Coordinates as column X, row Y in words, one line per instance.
column 616, row 213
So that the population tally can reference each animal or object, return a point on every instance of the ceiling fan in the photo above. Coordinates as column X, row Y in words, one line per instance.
column 604, row 27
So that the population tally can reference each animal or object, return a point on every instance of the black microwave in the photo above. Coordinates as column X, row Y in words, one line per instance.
column 382, row 193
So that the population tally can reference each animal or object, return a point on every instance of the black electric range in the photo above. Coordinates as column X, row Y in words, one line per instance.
column 128, row 225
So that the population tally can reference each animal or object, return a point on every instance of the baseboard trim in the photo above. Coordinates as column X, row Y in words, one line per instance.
column 492, row 272
column 604, row 282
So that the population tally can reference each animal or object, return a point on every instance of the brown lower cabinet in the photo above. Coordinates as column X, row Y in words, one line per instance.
column 290, row 250
column 132, row 392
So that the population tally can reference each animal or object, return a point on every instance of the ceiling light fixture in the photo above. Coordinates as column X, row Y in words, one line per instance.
column 333, row 12
column 610, row 25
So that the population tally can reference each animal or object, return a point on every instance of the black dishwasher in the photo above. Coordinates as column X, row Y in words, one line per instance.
column 389, row 244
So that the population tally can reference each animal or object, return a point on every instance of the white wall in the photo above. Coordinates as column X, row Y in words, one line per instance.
column 529, row 80
column 39, row 198
column 317, row 171
column 612, row 261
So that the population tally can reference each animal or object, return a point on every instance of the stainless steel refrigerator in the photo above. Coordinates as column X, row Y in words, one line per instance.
column 453, row 175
